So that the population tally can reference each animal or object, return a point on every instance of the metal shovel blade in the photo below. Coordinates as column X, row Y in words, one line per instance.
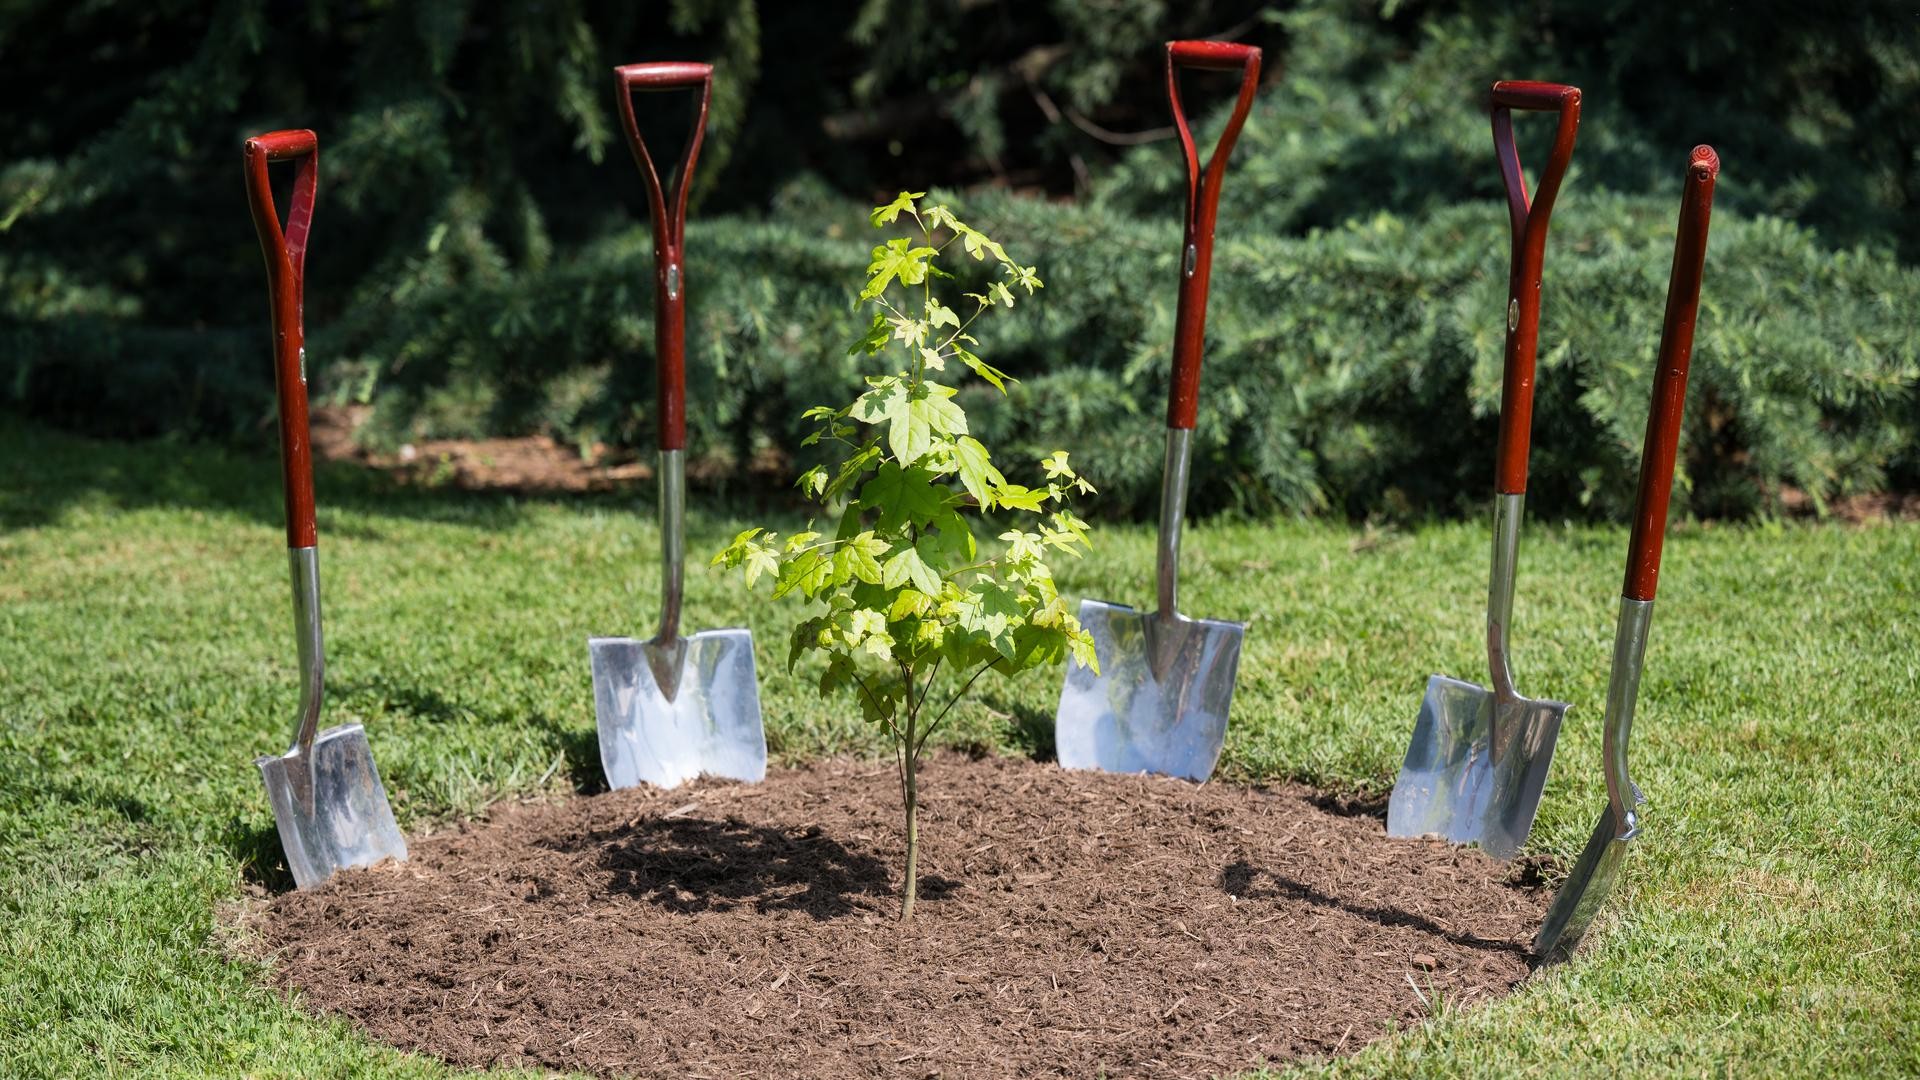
column 1585, row 890
column 1470, row 775
column 668, row 714
column 333, row 814
column 1159, row 703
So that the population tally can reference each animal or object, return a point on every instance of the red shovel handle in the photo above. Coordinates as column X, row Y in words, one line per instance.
column 1203, row 204
column 1670, row 377
column 286, row 255
column 669, row 232
column 1529, row 221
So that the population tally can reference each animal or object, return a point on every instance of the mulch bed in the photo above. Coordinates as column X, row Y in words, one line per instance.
column 1070, row 924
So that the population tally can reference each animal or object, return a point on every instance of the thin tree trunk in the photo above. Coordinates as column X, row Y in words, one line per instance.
column 911, row 766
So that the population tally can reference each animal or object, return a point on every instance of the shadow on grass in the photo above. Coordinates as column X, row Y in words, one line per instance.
column 256, row 848
column 578, row 746
column 1245, row 881
column 691, row 865
column 50, row 471
column 1030, row 729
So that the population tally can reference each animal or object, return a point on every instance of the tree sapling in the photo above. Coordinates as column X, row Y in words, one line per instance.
column 907, row 592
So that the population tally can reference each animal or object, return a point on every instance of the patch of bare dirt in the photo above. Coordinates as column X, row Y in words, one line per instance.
column 532, row 464
column 1877, row 508
column 1071, row 924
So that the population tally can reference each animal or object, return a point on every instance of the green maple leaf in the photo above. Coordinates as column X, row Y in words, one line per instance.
column 1019, row 497
column 873, row 340
column 761, row 561
column 977, row 473
column 939, row 314
column 987, row 371
column 903, row 497
column 906, row 566
column 858, row 557
column 899, row 259
column 885, row 215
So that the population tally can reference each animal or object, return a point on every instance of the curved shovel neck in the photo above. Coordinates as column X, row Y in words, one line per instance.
column 1508, row 511
column 1623, row 690
column 666, row 653
column 1173, row 513
column 304, row 568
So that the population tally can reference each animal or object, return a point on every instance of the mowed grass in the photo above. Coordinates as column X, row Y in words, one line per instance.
column 1766, row 925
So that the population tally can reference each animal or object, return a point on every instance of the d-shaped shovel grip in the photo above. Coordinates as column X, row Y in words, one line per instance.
column 1670, row 377
column 1203, row 204
column 1529, row 219
column 669, row 217
column 285, row 251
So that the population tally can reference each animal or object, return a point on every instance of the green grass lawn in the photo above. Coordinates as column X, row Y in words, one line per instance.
column 1766, row 924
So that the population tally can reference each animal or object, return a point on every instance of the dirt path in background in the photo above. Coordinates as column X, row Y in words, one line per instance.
column 527, row 465
column 1070, row 923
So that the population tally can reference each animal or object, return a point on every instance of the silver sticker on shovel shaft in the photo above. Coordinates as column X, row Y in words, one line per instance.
column 1160, row 701
column 710, row 724
column 346, row 821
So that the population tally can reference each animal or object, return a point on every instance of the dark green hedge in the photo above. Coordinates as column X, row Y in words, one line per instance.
column 1354, row 369
column 479, row 259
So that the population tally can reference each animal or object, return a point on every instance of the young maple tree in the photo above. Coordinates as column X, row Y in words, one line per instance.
column 909, row 595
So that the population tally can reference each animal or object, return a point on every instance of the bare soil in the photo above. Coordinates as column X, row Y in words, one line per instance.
column 1071, row 924
column 525, row 465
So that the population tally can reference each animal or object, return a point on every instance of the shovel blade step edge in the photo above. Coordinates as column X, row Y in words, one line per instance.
column 348, row 822
column 710, row 725
column 1584, row 892
column 1160, row 701
column 1451, row 786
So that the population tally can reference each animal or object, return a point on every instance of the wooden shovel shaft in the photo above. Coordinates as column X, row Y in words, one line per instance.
column 1670, row 377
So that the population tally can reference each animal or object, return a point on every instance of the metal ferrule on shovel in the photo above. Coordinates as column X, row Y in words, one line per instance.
column 328, row 803
column 1160, row 701
column 676, row 706
column 1594, row 875
column 1478, row 759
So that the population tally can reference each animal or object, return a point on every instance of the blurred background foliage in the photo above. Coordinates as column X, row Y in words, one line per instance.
column 481, row 259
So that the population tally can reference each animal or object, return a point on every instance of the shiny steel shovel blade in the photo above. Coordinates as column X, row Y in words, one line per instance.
column 1458, row 783
column 1585, row 890
column 1160, row 701
column 667, row 715
column 335, row 817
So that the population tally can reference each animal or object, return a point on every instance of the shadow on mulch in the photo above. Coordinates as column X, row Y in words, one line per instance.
column 690, row 865
column 1078, row 924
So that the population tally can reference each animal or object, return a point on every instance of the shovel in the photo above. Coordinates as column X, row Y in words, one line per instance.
column 1594, row 875
column 677, row 706
column 326, row 794
column 1159, row 702
column 1478, row 758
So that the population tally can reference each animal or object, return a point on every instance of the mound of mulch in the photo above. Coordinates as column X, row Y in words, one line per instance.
column 1071, row 924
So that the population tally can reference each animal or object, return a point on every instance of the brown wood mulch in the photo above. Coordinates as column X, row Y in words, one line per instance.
column 1071, row 924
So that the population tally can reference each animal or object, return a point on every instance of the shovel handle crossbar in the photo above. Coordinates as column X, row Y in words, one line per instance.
column 1529, row 217
column 667, row 212
column 1196, row 269
column 285, row 251
column 668, row 215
